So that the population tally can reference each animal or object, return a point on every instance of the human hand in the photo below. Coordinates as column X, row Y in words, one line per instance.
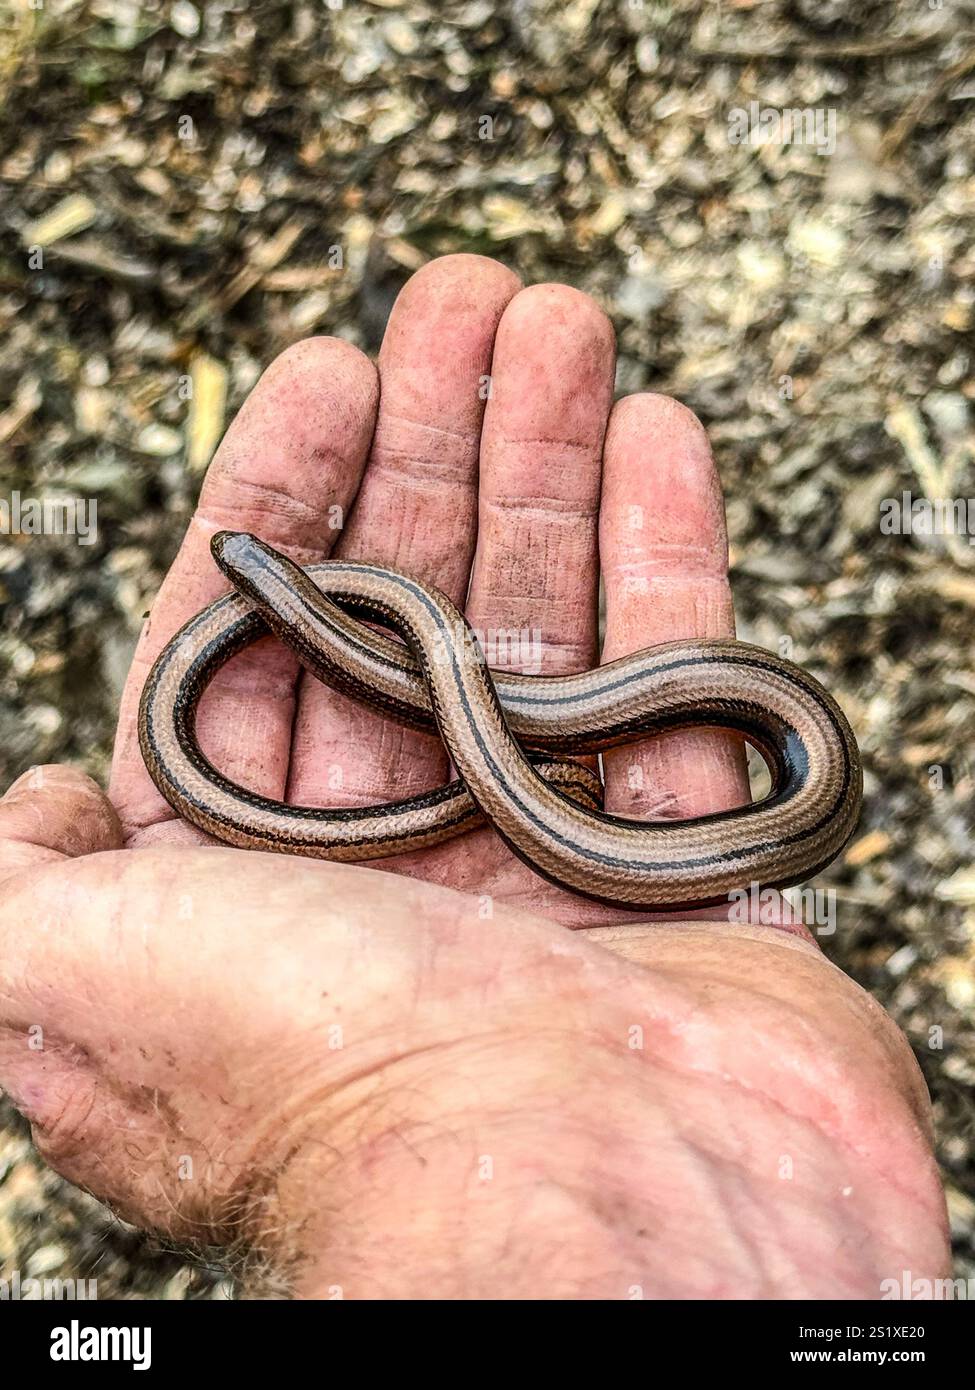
column 363, row 1089
column 529, row 494
column 718, row 1112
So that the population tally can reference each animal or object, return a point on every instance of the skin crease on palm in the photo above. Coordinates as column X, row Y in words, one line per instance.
column 413, row 1081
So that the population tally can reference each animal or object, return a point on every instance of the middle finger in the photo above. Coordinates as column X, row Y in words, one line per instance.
column 415, row 512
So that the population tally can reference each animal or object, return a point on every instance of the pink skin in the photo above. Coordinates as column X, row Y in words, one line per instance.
column 508, row 1109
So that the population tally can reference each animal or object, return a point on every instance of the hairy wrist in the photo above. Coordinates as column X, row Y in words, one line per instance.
column 468, row 1170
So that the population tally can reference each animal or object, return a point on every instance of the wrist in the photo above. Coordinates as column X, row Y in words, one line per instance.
column 467, row 1170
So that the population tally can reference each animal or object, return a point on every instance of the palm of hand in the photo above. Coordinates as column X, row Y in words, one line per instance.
column 522, row 498
column 491, row 465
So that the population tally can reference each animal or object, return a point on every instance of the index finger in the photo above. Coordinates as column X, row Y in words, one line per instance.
column 664, row 555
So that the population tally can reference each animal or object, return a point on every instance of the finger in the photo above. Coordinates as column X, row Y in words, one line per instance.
column 51, row 813
column 535, row 571
column 288, row 470
column 533, row 595
column 664, row 557
column 416, row 512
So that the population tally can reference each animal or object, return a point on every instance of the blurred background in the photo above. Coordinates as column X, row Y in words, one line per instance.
column 188, row 187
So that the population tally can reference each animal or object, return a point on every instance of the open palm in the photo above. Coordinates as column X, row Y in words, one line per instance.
column 483, row 455
column 696, row 1109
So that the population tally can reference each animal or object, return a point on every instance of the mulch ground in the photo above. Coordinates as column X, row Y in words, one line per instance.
column 208, row 184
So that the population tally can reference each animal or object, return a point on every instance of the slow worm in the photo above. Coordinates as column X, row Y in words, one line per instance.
column 505, row 733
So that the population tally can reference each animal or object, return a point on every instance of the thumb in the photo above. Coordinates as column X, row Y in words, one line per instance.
column 51, row 813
